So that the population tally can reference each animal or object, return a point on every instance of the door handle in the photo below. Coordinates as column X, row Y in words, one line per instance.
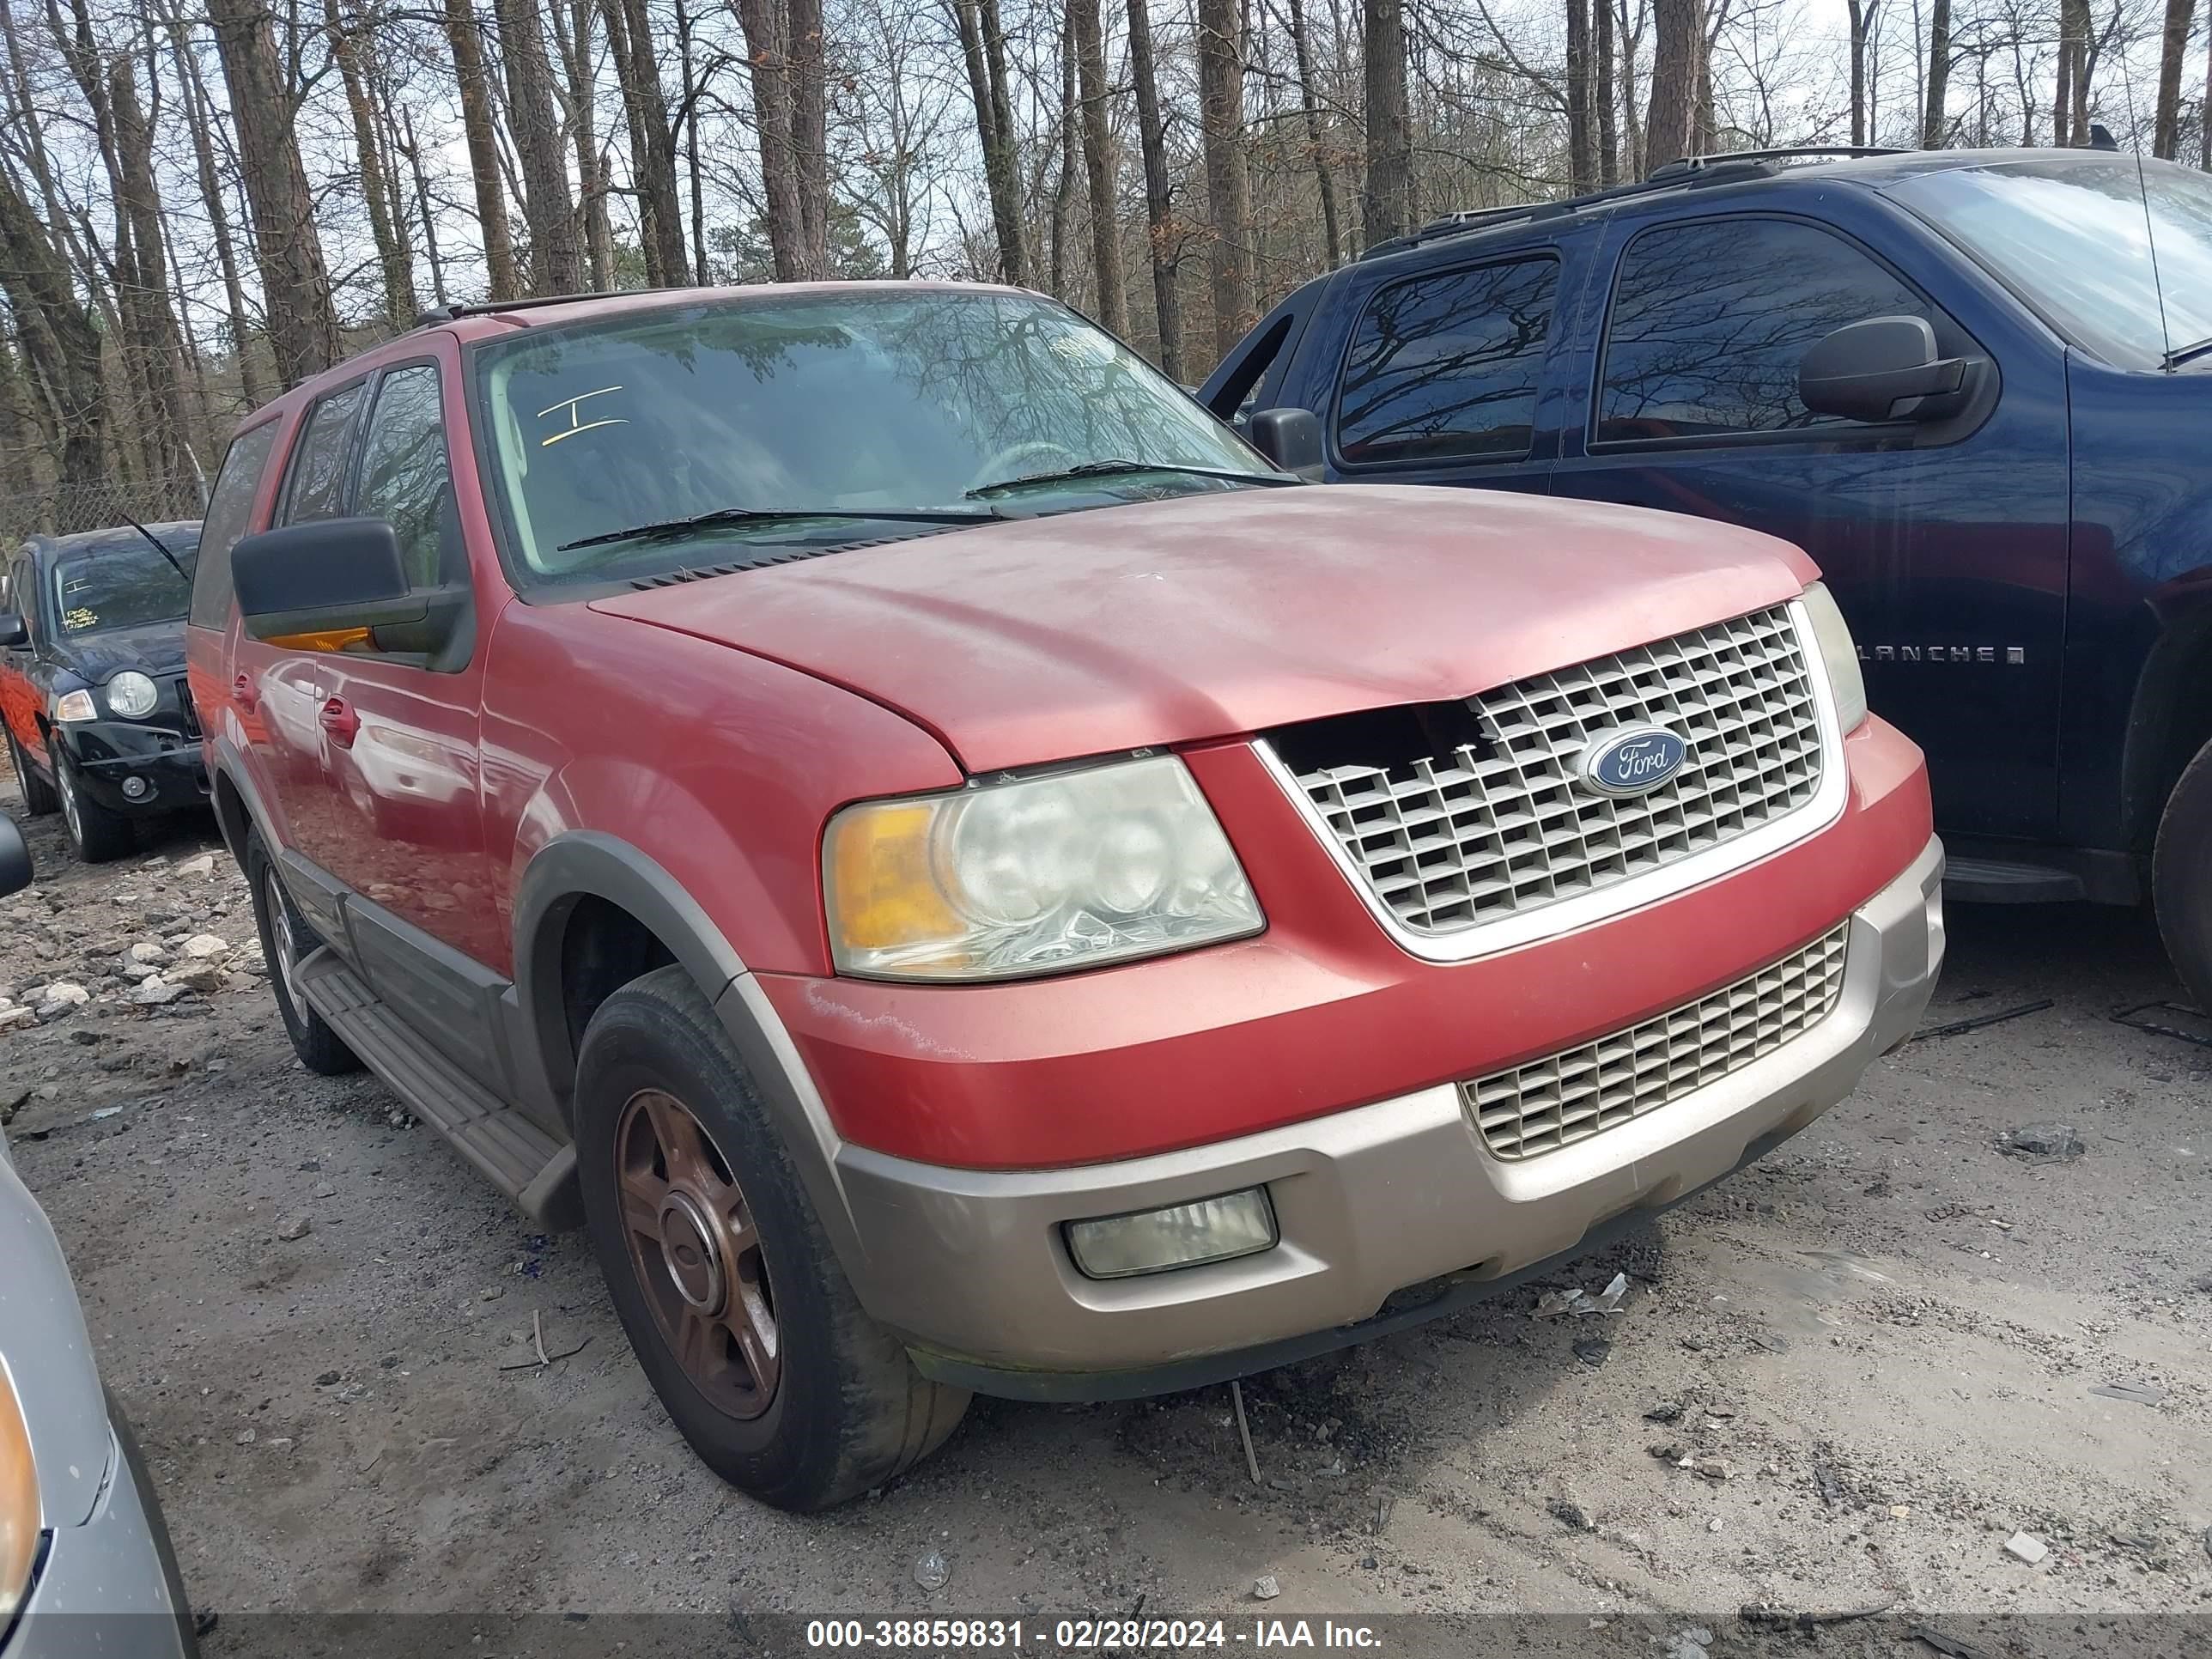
column 337, row 718
column 247, row 693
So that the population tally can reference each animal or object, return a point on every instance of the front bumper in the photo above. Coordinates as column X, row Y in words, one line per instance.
column 104, row 753
column 971, row 1268
column 109, row 1587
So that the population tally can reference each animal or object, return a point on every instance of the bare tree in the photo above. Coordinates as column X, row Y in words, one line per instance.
column 59, row 337
column 1386, row 200
column 1934, row 123
column 1604, row 90
column 982, row 48
column 1228, row 186
column 1162, row 235
column 1676, row 48
column 1098, row 165
column 464, row 36
column 557, row 264
column 388, row 222
column 2174, row 47
column 1582, row 136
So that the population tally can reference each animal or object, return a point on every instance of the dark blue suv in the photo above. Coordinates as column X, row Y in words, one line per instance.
column 1975, row 385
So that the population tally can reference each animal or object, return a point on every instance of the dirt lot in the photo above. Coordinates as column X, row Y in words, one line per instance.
column 1849, row 1375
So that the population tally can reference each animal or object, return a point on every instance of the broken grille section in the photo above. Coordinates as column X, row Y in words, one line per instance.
column 1497, row 826
column 1573, row 1095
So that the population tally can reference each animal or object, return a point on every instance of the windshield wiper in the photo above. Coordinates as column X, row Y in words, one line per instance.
column 162, row 550
column 1113, row 468
column 2190, row 353
column 670, row 529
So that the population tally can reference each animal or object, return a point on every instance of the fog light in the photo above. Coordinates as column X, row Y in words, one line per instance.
column 136, row 788
column 1183, row 1236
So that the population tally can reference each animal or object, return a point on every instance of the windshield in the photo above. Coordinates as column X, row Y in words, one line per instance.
column 2071, row 237
column 898, row 399
column 123, row 586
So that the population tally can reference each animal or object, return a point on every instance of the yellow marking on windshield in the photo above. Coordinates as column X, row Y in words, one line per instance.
column 577, row 422
column 78, row 620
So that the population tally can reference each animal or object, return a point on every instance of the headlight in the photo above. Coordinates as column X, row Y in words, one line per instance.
column 19, row 1504
column 75, row 706
column 1845, row 683
column 131, row 694
column 1036, row 877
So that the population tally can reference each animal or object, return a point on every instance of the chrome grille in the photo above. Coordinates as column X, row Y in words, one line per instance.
column 1500, row 827
column 1571, row 1096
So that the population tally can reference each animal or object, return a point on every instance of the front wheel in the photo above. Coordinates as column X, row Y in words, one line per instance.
column 2181, row 878
column 100, row 835
column 732, row 1296
column 38, row 798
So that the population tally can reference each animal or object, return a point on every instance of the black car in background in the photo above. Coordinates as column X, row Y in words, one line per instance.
column 91, row 680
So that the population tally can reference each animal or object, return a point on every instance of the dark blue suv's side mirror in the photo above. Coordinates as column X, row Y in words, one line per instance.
column 1885, row 368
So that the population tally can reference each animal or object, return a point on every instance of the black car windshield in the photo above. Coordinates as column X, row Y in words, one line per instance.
column 2072, row 236
column 123, row 584
column 900, row 400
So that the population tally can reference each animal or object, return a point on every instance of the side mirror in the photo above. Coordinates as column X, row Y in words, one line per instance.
column 15, row 859
column 1290, row 438
column 13, row 631
column 330, row 584
column 1883, row 369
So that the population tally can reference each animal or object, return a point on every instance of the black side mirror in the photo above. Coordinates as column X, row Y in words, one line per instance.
column 1290, row 438
column 337, row 580
column 15, row 859
column 1885, row 369
column 13, row 631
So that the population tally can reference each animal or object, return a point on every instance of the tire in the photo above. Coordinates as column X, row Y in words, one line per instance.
column 2181, row 878
column 845, row 1410
column 39, row 800
column 286, row 941
column 98, row 835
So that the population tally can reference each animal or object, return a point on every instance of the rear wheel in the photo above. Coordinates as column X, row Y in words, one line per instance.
column 2181, row 878
column 732, row 1296
column 38, row 798
column 286, row 942
column 100, row 835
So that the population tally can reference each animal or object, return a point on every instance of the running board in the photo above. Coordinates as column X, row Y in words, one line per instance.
column 532, row 1168
column 1995, row 881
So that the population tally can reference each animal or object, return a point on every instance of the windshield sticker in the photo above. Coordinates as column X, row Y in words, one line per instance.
column 576, row 421
column 78, row 620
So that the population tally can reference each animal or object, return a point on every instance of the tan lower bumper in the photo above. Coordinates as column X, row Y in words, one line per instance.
column 970, row 1266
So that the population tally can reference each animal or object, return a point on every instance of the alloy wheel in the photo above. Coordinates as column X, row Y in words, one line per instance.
column 72, row 814
column 281, row 935
column 695, row 1246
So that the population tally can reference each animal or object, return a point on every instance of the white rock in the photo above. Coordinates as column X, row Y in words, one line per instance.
column 202, row 866
column 200, row 946
column 195, row 976
column 148, row 951
column 16, row 1014
column 141, row 971
column 1266, row 1588
column 153, row 992
column 2028, row 1549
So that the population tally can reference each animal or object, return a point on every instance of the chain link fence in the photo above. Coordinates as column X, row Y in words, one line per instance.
column 63, row 509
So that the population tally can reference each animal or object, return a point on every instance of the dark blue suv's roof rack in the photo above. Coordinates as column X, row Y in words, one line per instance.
column 1689, row 170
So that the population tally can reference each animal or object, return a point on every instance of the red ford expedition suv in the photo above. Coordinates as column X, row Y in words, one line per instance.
column 963, row 877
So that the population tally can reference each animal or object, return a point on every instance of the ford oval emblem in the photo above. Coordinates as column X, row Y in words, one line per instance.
column 1632, row 762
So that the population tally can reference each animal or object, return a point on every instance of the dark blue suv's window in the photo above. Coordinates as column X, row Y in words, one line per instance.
column 1710, row 319
column 1446, row 365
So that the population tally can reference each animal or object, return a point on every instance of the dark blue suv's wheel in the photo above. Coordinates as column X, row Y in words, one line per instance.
column 2181, row 878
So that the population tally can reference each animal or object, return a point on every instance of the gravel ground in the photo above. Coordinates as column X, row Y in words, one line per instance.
column 1848, row 1376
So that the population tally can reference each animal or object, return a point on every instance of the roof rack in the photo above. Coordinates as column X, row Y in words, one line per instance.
column 530, row 302
column 1671, row 175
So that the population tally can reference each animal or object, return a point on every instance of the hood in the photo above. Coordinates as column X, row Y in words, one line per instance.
column 1227, row 613
column 156, row 649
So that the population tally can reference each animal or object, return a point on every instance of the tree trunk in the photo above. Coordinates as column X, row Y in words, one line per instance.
column 1669, row 129
column 295, row 284
column 1161, row 232
column 2179, row 14
column 557, row 264
column 2204, row 121
column 653, row 149
column 766, row 51
column 1634, row 160
column 1582, row 140
column 1227, row 189
column 978, row 23
column 1099, row 169
column 386, row 224
column 59, row 340
column 1862, row 14
column 504, row 280
column 1601, row 83
column 1386, row 194
column 572, row 38
column 810, row 132
column 199, row 118
column 688, row 120
column 413, row 152
column 1934, row 121
column 1317, row 139
column 163, row 348
column 1071, row 156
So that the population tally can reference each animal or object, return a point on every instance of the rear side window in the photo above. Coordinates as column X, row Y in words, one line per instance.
column 403, row 479
column 1446, row 366
column 316, row 489
column 1709, row 321
column 229, row 510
